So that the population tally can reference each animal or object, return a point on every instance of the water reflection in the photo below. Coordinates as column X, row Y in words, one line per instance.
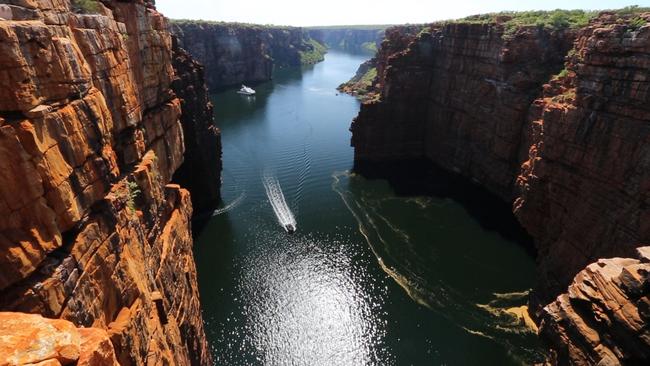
column 319, row 311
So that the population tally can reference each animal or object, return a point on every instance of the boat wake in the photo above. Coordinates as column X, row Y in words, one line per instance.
column 503, row 318
column 279, row 204
column 229, row 206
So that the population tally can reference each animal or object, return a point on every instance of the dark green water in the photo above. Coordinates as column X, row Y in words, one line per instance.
column 369, row 278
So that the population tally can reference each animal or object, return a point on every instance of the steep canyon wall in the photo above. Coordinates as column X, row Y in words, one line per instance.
column 245, row 53
column 92, row 230
column 555, row 121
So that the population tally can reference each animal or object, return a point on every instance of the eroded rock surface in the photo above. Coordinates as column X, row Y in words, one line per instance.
column 91, row 230
column 603, row 317
column 458, row 94
column 28, row 339
column 584, row 184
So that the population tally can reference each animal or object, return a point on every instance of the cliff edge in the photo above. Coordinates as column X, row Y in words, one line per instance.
column 91, row 229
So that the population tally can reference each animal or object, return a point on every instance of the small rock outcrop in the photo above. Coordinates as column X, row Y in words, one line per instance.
column 245, row 53
column 366, row 84
column 603, row 318
column 362, row 85
column 33, row 340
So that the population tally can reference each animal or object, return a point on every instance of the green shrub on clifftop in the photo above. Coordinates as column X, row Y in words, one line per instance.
column 637, row 23
column 555, row 19
column 631, row 10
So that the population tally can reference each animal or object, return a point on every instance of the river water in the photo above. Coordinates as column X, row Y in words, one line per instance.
column 369, row 277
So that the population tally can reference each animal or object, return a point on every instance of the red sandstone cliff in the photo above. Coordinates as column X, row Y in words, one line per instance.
column 584, row 187
column 458, row 94
column 33, row 340
column 91, row 230
column 603, row 318
column 572, row 155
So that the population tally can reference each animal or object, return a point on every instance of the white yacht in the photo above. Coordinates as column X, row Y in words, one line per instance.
column 246, row 90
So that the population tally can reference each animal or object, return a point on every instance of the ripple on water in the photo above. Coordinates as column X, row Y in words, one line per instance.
column 318, row 297
column 430, row 273
column 307, row 295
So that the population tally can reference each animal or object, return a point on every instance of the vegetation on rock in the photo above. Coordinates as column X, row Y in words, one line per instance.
column 369, row 46
column 362, row 84
column 558, row 19
column 85, row 6
column 554, row 19
column 132, row 192
column 236, row 25
column 314, row 53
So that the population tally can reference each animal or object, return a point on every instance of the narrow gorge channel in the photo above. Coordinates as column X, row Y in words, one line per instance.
column 484, row 201
column 369, row 277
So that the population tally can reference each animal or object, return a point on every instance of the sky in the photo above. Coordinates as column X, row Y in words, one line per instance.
column 348, row 12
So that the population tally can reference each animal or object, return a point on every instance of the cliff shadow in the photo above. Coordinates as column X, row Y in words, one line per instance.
column 421, row 177
column 200, row 220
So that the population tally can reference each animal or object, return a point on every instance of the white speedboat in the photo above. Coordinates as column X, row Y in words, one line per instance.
column 290, row 228
column 246, row 90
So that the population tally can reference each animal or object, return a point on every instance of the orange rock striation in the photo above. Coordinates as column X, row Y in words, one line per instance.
column 33, row 340
column 572, row 154
column 583, row 190
column 603, row 317
column 91, row 230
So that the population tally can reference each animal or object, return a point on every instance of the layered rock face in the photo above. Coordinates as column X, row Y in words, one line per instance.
column 355, row 39
column 91, row 230
column 240, row 53
column 458, row 94
column 603, row 318
column 584, row 187
column 570, row 151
